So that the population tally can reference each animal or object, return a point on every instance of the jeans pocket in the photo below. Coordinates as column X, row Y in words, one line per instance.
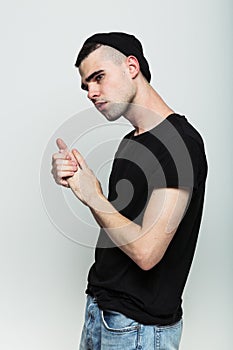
column 116, row 322
column 168, row 337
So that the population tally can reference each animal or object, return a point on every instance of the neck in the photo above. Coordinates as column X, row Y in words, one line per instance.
column 147, row 109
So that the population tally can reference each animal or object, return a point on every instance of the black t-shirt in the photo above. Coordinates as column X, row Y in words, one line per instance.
column 169, row 155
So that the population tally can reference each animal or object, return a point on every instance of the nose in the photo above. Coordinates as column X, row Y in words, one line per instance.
column 93, row 91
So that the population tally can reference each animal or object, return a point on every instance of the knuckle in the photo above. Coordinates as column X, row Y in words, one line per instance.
column 54, row 156
column 57, row 162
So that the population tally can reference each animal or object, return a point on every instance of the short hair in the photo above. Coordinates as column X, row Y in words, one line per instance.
column 109, row 53
column 124, row 43
column 85, row 51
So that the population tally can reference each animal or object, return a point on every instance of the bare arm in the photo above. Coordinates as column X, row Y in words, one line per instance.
column 145, row 244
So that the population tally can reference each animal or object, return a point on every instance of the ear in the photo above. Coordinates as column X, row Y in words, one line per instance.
column 133, row 65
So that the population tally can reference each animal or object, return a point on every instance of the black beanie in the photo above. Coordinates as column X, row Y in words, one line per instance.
column 125, row 43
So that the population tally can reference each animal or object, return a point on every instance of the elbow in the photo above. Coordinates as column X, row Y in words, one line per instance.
column 146, row 261
column 146, row 266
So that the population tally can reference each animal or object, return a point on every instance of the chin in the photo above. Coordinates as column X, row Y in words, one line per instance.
column 115, row 111
column 110, row 117
column 111, row 114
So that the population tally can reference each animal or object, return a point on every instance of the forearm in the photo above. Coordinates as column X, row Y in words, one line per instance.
column 143, row 244
column 122, row 231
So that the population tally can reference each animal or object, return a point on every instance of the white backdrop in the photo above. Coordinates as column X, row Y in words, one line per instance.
column 43, row 273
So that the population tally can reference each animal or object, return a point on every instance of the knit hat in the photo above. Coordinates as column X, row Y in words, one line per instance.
column 125, row 43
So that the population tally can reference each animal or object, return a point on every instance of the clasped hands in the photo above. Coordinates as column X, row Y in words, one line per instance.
column 69, row 169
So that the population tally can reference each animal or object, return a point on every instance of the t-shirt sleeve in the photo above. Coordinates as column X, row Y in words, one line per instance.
column 178, row 166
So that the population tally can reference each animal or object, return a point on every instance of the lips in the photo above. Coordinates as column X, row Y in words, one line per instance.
column 100, row 105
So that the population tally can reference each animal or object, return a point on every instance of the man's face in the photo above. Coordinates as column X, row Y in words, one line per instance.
column 109, row 84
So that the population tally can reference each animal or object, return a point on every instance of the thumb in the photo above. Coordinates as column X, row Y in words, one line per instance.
column 61, row 145
column 79, row 158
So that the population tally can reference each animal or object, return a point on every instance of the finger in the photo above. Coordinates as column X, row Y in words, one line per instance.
column 71, row 157
column 64, row 183
column 63, row 149
column 64, row 168
column 61, row 145
column 79, row 159
column 59, row 180
column 66, row 154
column 56, row 156
column 61, row 174
column 62, row 156
column 65, row 162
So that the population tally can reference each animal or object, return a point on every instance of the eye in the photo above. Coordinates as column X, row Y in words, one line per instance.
column 99, row 77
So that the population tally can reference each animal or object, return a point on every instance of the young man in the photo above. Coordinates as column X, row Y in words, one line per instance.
column 151, row 218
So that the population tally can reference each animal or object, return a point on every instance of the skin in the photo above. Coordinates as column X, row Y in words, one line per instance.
column 120, row 89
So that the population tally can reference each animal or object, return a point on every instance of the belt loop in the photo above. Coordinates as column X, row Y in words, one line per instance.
column 139, row 336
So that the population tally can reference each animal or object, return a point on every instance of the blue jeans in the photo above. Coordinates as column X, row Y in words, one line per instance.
column 110, row 330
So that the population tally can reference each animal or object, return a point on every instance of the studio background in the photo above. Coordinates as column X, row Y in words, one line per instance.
column 43, row 273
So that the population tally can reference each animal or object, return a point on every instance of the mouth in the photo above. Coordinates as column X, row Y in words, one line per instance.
column 100, row 105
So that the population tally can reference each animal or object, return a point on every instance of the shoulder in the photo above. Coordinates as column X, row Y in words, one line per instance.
column 186, row 130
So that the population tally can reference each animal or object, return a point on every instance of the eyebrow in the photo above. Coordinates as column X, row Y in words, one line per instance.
column 90, row 77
